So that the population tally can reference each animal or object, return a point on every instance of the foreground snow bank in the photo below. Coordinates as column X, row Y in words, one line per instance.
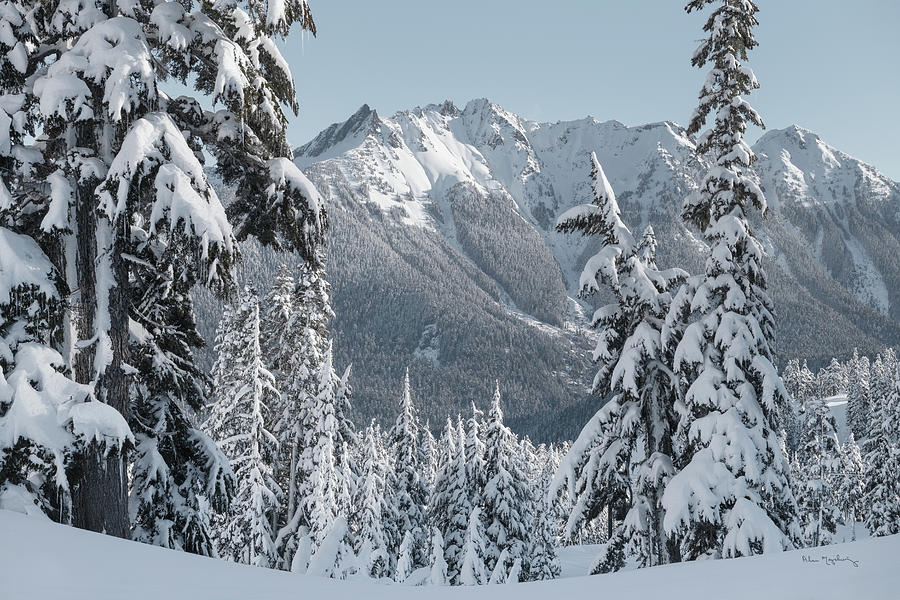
column 41, row 560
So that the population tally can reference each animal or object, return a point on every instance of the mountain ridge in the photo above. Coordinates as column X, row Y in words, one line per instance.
column 443, row 255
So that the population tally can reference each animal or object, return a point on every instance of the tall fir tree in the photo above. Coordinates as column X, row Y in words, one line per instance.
column 410, row 492
column 438, row 573
column 507, row 499
column 321, row 471
column 372, row 508
column 104, row 170
column 473, row 569
column 881, row 379
column 791, row 376
column 858, row 407
column 438, row 515
column 295, row 335
column 243, row 389
column 882, row 460
column 450, row 505
column 851, row 487
column 544, row 562
column 832, row 380
column 819, row 464
column 300, row 363
column 637, row 424
column 276, row 343
column 731, row 495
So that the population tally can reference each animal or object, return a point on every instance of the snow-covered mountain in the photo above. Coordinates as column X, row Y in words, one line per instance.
column 443, row 251
column 842, row 209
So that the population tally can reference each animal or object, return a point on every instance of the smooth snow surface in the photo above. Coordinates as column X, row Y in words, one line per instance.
column 40, row 560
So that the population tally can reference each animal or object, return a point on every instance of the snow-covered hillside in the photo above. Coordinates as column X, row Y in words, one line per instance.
column 443, row 253
column 40, row 560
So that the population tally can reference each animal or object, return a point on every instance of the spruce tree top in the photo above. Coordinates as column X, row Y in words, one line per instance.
column 730, row 36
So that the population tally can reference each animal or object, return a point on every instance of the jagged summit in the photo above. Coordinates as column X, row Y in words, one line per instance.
column 807, row 170
column 363, row 122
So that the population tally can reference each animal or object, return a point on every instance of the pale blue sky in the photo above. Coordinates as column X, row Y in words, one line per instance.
column 830, row 66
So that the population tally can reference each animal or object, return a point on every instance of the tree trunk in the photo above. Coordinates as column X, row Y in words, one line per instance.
column 99, row 495
column 99, row 498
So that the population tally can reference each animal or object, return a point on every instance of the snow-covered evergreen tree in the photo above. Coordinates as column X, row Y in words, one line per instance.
column 319, row 483
column 473, row 570
column 410, row 492
column 626, row 450
column 881, row 379
column 543, row 562
column 429, row 452
column 882, row 461
column 507, row 499
column 295, row 335
column 311, row 421
column 405, row 554
column 791, row 376
column 450, row 504
column 438, row 574
column 858, row 408
column 820, row 465
column 731, row 495
column 277, row 343
column 243, row 389
column 438, row 502
column 372, row 509
column 832, row 380
column 109, row 168
column 793, row 383
column 476, row 475
column 851, row 486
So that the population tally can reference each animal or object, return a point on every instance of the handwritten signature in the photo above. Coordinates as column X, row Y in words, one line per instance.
column 831, row 560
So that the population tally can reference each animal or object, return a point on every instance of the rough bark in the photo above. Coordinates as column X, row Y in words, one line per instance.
column 99, row 495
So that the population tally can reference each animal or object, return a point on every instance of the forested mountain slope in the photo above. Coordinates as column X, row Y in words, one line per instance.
column 443, row 253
